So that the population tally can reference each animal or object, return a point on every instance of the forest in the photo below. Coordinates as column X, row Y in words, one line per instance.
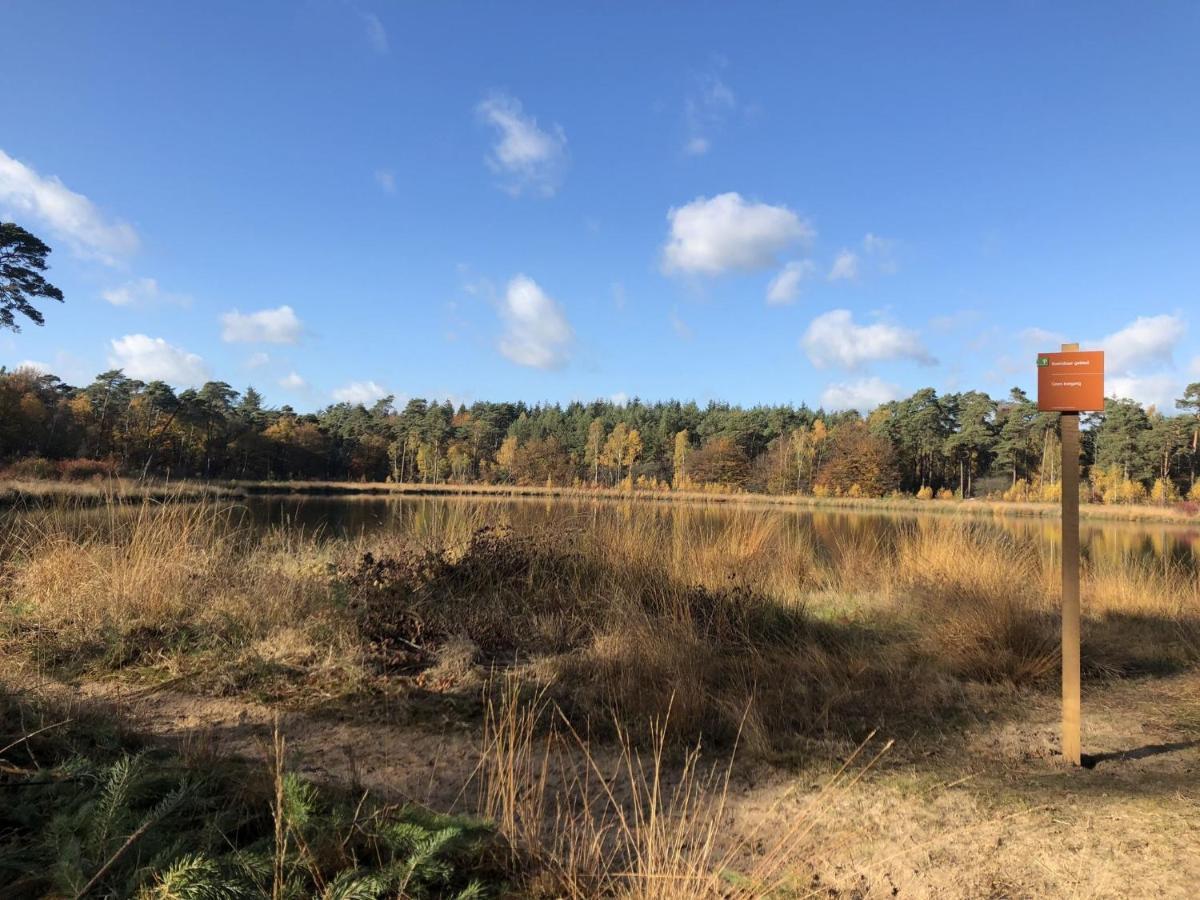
column 956, row 444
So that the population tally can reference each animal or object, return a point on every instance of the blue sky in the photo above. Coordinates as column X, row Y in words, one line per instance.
column 747, row 202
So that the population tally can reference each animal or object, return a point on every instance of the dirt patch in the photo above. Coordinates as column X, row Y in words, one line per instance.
column 992, row 814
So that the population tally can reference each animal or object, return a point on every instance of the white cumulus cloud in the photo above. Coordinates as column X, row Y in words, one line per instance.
column 364, row 392
column 526, row 156
column 68, row 216
column 293, row 381
column 149, row 359
column 267, row 326
column 785, row 287
column 1147, row 339
column 32, row 365
column 1160, row 390
column 712, row 235
column 142, row 292
column 845, row 267
column 536, row 332
column 835, row 339
column 258, row 360
column 864, row 394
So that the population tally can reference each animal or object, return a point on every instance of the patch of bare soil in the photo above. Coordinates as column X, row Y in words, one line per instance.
column 996, row 814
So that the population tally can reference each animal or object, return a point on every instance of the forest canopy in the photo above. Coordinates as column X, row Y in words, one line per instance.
column 963, row 444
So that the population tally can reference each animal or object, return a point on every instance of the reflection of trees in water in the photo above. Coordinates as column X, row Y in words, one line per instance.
column 826, row 533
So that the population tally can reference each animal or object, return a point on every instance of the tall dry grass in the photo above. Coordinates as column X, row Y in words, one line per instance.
column 585, row 821
column 748, row 626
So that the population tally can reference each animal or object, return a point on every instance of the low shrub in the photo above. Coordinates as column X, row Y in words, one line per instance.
column 87, row 469
column 33, row 467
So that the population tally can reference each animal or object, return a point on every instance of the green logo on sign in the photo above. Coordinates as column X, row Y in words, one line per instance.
column 1043, row 360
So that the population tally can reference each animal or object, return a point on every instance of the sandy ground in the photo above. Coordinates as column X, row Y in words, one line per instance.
column 995, row 814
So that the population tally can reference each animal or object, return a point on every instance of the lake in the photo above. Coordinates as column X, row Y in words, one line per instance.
column 1159, row 545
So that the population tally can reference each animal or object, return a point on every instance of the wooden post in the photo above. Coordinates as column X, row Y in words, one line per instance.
column 1071, row 742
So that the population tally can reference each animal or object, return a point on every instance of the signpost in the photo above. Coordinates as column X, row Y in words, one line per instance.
column 1070, row 382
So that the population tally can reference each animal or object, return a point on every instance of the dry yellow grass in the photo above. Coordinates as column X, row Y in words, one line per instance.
column 587, row 822
column 735, row 622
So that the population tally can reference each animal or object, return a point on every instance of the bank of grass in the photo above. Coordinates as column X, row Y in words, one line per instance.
column 733, row 629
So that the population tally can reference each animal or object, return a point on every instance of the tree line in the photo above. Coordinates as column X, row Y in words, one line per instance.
column 962, row 444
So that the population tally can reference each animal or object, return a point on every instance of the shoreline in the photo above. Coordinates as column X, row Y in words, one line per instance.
column 36, row 493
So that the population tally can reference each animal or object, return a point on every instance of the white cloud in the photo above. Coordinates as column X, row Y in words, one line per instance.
column 386, row 179
column 785, row 287
column 33, row 365
column 149, row 359
column 620, row 398
column 143, row 292
column 267, row 326
column 537, row 332
column 1148, row 339
column 376, row 34
column 864, row 394
column 294, row 382
column 696, row 146
column 526, row 156
column 364, row 392
column 1159, row 390
column 258, row 360
column 845, row 267
column 69, row 216
column 713, row 235
column 834, row 339
column 1194, row 368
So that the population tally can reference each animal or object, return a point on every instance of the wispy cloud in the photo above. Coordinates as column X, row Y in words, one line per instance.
column 536, row 331
column 360, row 392
column 143, row 292
column 864, row 394
column 69, row 216
column 525, row 156
column 377, row 36
column 681, row 328
column 712, row 235
column 835, row 339
column 845, row 266
column 785, row 286
column 708, row 104
column 293, row 381
column 149, row 359
column 386, row 179
column 267, row 326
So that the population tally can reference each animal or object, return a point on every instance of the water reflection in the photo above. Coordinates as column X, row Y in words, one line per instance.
column 813, row 530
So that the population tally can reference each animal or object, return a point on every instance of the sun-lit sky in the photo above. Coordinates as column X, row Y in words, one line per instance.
column 836, row 203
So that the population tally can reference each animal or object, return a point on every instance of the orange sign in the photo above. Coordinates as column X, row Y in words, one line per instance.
column 1071, row 381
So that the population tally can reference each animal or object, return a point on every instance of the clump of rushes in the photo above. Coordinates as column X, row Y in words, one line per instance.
column 87, row 813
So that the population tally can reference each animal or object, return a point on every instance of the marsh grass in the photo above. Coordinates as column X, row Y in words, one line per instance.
column 746, row 629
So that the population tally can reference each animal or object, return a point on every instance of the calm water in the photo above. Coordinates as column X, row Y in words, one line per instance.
column 1154, row 544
